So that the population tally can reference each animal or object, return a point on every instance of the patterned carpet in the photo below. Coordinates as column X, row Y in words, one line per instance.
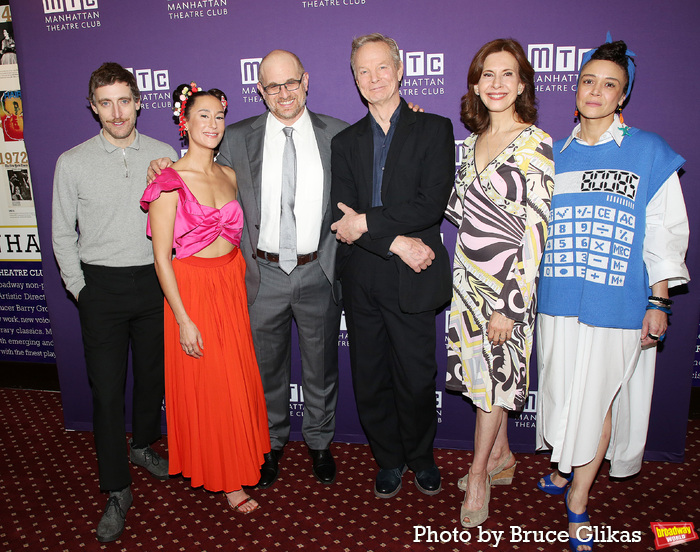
column 50, row 501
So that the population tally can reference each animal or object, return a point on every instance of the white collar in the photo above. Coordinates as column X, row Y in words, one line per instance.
column 616, row 132
column 302, row 125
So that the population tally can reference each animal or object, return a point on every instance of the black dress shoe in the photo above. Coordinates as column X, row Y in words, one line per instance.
column 388, row 482
column 428, row 481
column 270, row 469
column 324, row 465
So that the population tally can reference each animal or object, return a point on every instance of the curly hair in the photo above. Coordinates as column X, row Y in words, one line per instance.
column 107, row 74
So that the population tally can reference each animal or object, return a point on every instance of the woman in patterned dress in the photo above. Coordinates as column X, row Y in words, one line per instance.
column 501, row 205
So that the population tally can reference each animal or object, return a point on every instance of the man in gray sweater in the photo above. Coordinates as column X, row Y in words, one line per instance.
column 106, row 262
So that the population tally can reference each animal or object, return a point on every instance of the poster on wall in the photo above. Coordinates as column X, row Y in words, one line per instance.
column 11, row 115
column 25, row 330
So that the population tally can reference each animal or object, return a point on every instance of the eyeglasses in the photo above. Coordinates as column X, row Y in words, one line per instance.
column 291, row 85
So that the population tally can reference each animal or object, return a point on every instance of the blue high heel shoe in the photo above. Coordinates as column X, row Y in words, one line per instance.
column 550, row 488
column 574, row 543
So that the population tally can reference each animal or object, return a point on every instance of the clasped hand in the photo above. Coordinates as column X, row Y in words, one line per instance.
column 349, row 228
column 413, row 252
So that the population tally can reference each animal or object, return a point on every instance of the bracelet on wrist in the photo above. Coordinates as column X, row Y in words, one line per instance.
column 663, row 300
column 652, row 306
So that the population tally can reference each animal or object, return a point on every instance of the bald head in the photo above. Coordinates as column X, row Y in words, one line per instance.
column 286, row 102
column 277, row 59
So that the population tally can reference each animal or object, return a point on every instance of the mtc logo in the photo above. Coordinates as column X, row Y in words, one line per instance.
column 420, row 64
column 460, row 152
column 296, row 393
column 148, row 80
column 547, row 57
column 249, row 70
column 57, row 6
column 531, row 404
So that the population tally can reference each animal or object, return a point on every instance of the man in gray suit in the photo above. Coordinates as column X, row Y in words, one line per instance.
column 308, row 293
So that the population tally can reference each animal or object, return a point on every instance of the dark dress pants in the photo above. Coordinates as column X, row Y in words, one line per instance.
column 392, row 356
column 120, row 306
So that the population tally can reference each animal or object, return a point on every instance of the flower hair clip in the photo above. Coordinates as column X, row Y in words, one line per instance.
column 179, row 107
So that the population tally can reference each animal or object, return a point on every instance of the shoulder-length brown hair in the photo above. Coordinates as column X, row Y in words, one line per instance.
column 474, row 114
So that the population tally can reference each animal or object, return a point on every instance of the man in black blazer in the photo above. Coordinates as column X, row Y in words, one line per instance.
column 392, row 175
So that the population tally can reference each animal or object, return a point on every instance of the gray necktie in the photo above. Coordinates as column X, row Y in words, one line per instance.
column 288, row 225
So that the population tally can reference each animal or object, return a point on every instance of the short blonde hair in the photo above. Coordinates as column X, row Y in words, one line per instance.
column 360, row 41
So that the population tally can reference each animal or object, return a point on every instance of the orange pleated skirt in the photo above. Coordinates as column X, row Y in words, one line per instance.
column 215, row 406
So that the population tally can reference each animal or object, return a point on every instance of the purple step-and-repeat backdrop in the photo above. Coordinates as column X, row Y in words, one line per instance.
column 219, row 43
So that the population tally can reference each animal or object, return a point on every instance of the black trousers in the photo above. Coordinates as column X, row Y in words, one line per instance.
column 122, row 306
column 392, row 356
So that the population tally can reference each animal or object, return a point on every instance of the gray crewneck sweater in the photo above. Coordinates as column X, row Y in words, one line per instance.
column 96, row 217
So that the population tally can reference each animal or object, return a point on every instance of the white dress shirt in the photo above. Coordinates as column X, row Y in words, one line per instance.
column 308, row 204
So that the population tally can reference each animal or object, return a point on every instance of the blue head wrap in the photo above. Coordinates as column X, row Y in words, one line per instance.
column 630, row 64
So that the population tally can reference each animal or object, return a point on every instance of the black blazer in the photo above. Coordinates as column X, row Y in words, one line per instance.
column 418, row 178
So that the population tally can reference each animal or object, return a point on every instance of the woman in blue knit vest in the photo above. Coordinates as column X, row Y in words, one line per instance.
column 617, row 240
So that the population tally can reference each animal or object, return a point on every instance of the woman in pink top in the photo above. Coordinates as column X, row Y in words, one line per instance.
column 217, row 421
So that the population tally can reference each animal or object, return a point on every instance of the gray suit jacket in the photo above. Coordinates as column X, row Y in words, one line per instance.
column 242, row 150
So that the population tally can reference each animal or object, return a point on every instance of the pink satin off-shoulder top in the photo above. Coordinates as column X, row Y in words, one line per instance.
column 196, row 225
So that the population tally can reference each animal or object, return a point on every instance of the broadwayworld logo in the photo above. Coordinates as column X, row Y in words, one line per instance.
column 672, row 534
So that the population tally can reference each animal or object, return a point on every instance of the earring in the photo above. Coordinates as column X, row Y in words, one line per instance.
column 619, row 114
column 575, row 115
